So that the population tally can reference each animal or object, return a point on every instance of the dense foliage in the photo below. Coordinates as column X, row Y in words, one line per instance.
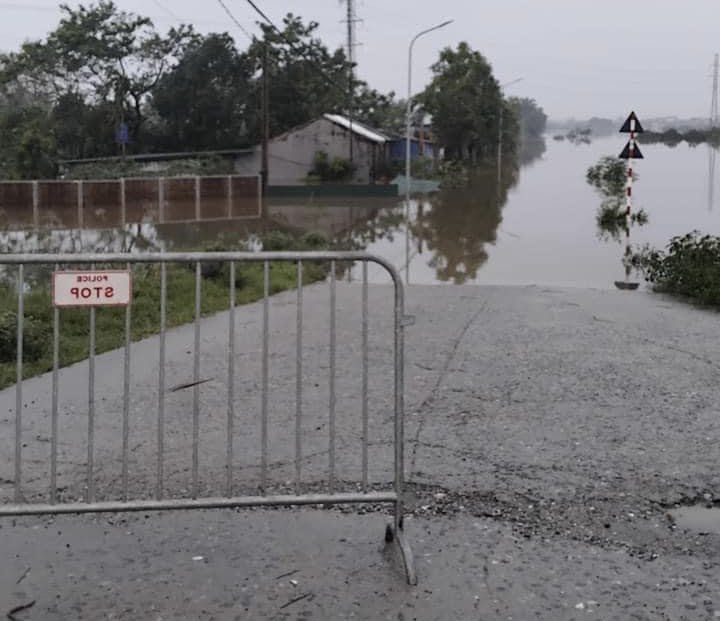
column 609, row 177
column 66, row 96
column 690, row 267
column 467, row 106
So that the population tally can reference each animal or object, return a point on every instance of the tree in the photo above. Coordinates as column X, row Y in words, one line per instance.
column 204, row 102
column 380, row 111
column 28, row 144
column 102, row 56
column 609, row 177
column 306, row 80
column 533, row 119
column 464, row 100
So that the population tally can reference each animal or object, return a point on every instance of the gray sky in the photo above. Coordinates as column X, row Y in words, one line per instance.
column 576, row 57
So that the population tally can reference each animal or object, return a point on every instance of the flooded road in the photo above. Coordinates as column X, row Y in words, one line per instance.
column 537, row 226
column 545, row 233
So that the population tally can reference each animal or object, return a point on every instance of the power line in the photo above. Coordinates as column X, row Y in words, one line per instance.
column 235, row 20
column 162, row 7
column 312, row 63
column 261, row 14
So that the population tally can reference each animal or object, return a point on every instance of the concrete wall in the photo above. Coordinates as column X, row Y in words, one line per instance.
column 291, row 155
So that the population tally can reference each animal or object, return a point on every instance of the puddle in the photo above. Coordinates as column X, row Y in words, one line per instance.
column 700, row 518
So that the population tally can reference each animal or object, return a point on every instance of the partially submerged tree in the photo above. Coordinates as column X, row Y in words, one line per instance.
column 532, row 117
column 465, row 102
column 609, row 178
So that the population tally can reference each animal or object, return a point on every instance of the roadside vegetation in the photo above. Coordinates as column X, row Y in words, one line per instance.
column 110, row 322
column 689, row 268
column 183, row 91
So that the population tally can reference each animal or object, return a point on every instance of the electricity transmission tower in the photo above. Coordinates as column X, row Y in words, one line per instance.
column 351, row 19
column 714, row 104
column 712, row 153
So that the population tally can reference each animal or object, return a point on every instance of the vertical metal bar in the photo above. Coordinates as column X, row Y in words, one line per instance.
column 331, row 428
column 229, row 197
column 260, row 196
column 365, row 375
column 399, row 355
column 231, row 383
column 197, row 198
column 18, row 382
column 196, row 380
column 126, row 399
column 36, row 204
column 80, row 205
column 265, row 372
column 161, row 384
column 91, row 408
column 161, row 199
column 298, row 379
column 123, row 203
column 54, row 405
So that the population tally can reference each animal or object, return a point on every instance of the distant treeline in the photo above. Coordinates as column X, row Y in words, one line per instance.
column 672, row 137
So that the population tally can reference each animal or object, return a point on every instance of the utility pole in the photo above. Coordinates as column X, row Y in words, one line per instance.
column 351, row 19
column 264, row 171
column 714, row 104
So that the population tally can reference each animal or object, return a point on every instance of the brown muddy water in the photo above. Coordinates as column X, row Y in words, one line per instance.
column 536, row 227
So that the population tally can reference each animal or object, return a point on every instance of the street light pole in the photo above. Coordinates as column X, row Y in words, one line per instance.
column 408, row 113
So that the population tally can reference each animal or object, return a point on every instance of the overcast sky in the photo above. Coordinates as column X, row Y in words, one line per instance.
column 576, row 57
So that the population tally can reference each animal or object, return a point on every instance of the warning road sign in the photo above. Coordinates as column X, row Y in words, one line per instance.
column 632, row 125
column 631, row 152
column 106, row 288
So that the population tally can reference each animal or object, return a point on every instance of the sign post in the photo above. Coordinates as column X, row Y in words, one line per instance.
column 123, row 136
column 631, row 152
column 106, row 288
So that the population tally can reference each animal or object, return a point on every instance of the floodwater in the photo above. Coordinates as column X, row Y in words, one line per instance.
column 545, row 233
column 698, row 518
column 535, row 227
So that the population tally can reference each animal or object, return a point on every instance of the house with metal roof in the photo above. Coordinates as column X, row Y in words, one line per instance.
column 292, row 155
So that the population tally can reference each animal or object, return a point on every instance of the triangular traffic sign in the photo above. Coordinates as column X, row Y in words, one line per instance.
column 632, row 124
column 636, row 153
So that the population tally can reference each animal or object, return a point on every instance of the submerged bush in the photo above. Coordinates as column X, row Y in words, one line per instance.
column 690, row 267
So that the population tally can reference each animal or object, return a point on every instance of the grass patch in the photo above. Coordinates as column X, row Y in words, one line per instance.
column 110, row 322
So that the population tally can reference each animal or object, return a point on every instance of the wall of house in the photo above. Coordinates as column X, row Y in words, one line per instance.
column 291, row 156
column 396, row 149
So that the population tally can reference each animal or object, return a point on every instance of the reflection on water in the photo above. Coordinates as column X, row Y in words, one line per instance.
column 130, row 238
column 712, row 164
column 531, row 151
column 537, row 226
column 456, row 226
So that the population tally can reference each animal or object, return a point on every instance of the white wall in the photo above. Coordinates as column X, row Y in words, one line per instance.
column 291, row 155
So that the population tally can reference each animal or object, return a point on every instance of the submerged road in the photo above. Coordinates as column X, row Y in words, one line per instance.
column 549, row 434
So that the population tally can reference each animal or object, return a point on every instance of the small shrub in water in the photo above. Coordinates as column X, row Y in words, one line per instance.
column 690, row 267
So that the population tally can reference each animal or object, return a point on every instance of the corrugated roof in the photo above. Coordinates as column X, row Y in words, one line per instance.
column 358, row 128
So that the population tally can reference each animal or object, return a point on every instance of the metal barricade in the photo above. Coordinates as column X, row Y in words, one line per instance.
column 55, row 500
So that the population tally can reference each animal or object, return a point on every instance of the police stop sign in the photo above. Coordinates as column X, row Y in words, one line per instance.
column 106, row 288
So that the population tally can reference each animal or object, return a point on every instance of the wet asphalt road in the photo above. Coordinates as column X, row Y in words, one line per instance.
column 548, row 433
